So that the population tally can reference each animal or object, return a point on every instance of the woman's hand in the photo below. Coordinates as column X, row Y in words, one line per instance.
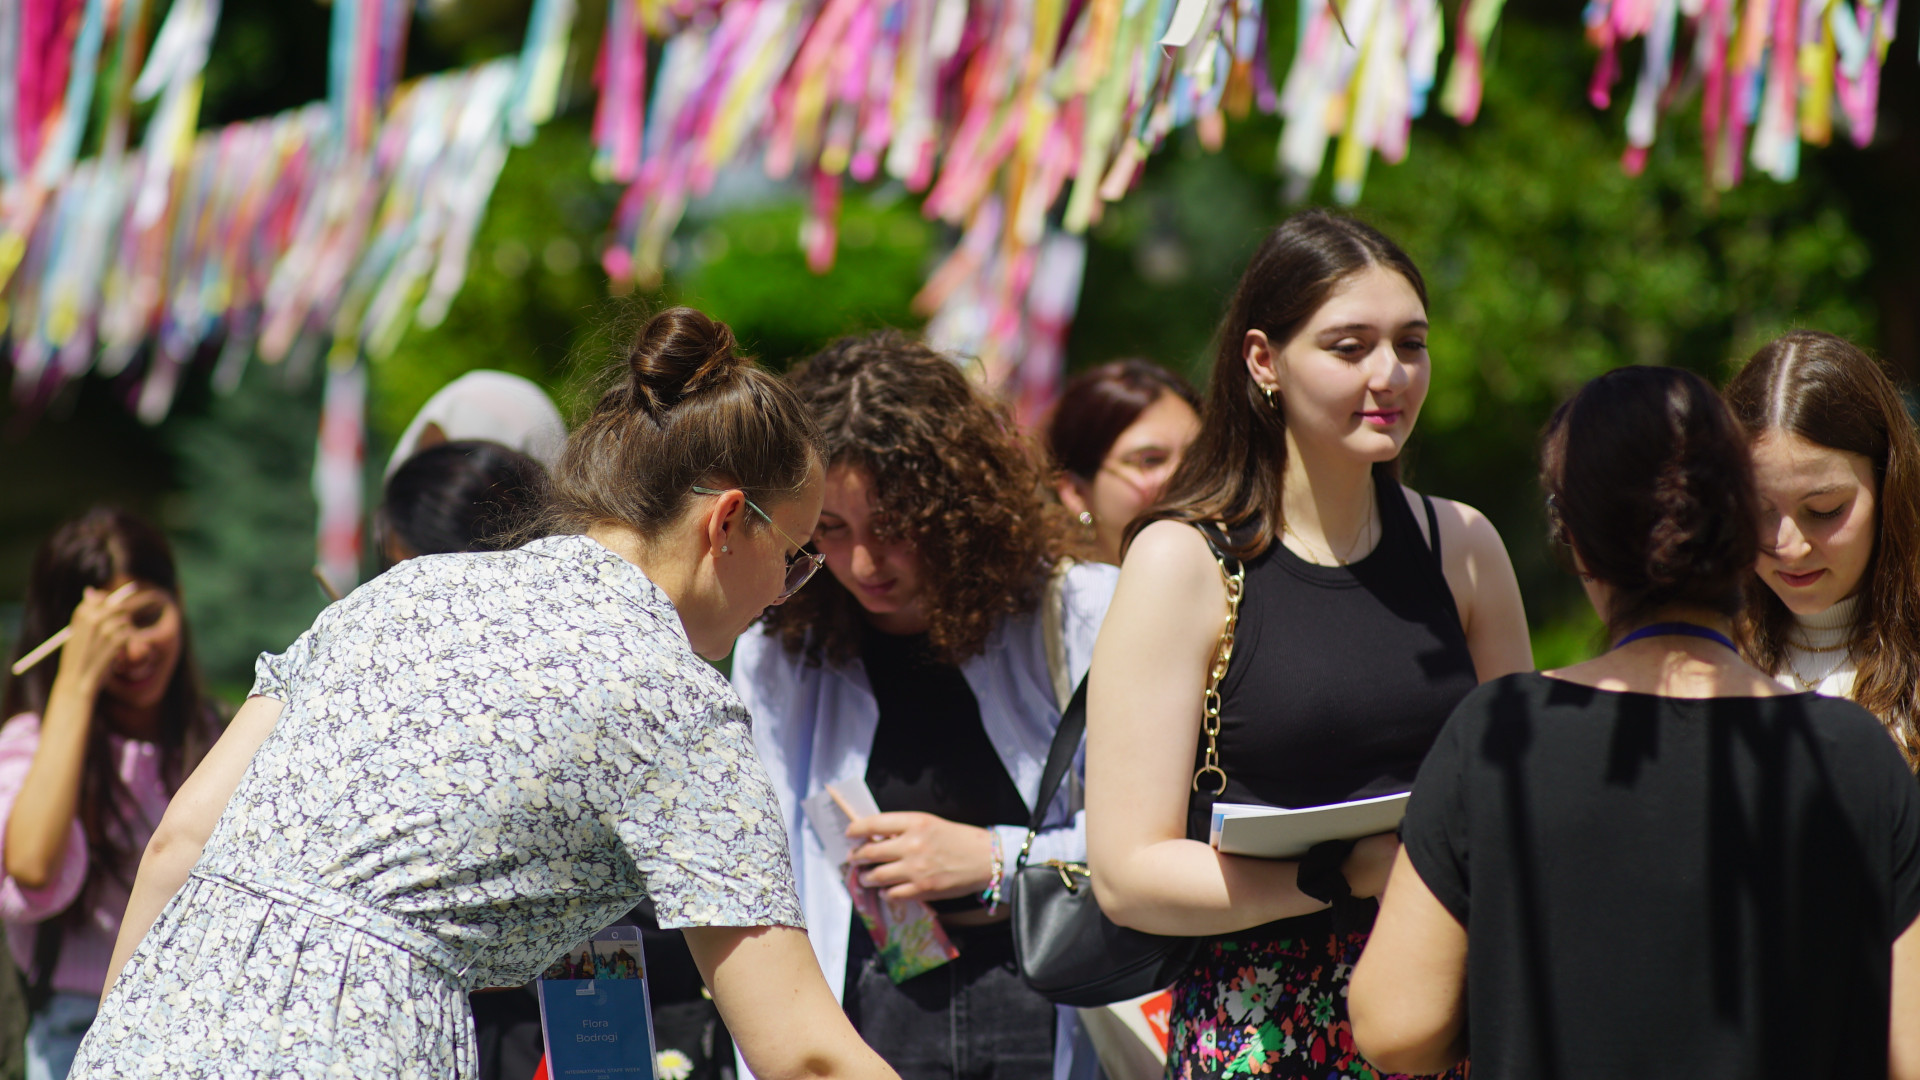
column 101, row 625
column 916, row 856
column 1369, row 864
column 40, row 825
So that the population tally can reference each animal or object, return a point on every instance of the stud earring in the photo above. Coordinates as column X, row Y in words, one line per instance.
column 1086, row 518
column 724, row 549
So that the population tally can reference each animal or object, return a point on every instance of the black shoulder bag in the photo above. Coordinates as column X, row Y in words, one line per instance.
column 1069, row 952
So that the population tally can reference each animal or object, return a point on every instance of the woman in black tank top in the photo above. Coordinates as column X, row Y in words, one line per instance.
column 1366, row 613
column 1345, row 672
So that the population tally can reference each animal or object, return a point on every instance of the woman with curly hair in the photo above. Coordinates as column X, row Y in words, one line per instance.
column 931, row 663
column 1834, row 602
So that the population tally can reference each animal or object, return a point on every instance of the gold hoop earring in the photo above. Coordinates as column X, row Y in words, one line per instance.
column 1268, row 390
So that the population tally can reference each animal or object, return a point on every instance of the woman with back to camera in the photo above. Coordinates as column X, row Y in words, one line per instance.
column 465, row 495
column 1834, row 605
column 1661, row 862
column 1116, row 435
column 475, row 762
column 97, row 739
column 1367, row 612
column 929, row 665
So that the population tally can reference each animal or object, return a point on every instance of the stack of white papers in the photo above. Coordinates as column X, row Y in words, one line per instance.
column 1272, row 832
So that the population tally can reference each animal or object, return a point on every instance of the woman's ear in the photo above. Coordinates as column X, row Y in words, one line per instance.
column 724, row 519
column 1068, row 487
column 1263, row 360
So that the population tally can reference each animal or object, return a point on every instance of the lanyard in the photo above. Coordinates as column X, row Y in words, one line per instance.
column 1685, row 629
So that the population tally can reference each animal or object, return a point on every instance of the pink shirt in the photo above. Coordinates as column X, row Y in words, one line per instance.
column 86, row 951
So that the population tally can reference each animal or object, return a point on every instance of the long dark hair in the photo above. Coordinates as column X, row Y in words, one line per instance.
column 1234, row 470
column 1648, row 477
column 90, row 552
column 1827, row 391
column 950, row 476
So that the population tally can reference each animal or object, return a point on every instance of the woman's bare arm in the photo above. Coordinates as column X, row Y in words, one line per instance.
column 1485, row 589
column 1407, row 999
column 1143, row 723
column 1903, row 1050
column 188, row 822
column 775, row 1002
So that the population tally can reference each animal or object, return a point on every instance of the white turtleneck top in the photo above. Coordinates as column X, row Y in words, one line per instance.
column 1816, row 656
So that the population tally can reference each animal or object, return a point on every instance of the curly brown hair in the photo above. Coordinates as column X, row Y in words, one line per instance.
column 951, row 476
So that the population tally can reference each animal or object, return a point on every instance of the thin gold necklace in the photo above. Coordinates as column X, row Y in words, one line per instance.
column 1806, row 685
column 1365, row 531
column 1811, row 649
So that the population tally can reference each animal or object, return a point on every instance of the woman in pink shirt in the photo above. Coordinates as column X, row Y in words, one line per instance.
column 97, row 738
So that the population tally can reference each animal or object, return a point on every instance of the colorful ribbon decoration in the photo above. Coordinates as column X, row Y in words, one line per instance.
column 1770, row 73
column 272, row 229
column 346, row 222
column 994, row 111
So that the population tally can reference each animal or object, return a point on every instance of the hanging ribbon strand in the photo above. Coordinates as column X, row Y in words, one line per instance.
column 1770, row 74
column 368, row 45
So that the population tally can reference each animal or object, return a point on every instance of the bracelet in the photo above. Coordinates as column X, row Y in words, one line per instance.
column 1320, row 875
column 991, row 897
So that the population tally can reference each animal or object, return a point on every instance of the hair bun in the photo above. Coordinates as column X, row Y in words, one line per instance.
column 679, row 352
column 1652, row 484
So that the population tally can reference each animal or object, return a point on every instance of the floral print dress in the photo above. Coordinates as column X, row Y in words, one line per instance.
column 482, row 760
column 1270, row 1004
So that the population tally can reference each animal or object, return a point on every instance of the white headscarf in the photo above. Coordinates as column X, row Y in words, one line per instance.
column 494, row 405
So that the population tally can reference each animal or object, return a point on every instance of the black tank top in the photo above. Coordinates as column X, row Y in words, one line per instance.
column 1341, row 675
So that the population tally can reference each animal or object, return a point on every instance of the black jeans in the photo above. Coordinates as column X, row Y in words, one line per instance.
column 969, row 1019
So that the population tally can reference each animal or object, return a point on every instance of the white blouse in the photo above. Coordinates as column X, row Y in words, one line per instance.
column 813, row 725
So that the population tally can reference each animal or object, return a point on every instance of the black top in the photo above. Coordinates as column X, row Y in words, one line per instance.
column 1341, row 675
column 930, row 751
column 1658, row 887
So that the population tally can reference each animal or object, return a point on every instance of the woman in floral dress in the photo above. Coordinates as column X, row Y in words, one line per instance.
column 477, row 760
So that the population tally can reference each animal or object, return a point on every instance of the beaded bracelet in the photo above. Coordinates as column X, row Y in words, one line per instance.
column 991, row 897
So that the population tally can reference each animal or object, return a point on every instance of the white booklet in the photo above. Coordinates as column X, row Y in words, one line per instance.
column 1273, row 832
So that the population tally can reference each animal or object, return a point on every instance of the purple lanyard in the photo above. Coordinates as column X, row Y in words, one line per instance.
column 1685, row 629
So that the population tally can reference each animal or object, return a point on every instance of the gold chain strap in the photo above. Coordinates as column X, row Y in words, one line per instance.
column 1236, row 581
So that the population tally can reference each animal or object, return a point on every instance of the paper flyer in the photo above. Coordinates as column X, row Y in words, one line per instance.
column 907, row 934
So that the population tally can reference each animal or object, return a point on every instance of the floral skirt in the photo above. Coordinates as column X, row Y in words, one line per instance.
column 1270, row 1004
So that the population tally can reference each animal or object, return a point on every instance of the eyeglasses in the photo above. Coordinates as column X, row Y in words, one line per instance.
column 801, row 565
